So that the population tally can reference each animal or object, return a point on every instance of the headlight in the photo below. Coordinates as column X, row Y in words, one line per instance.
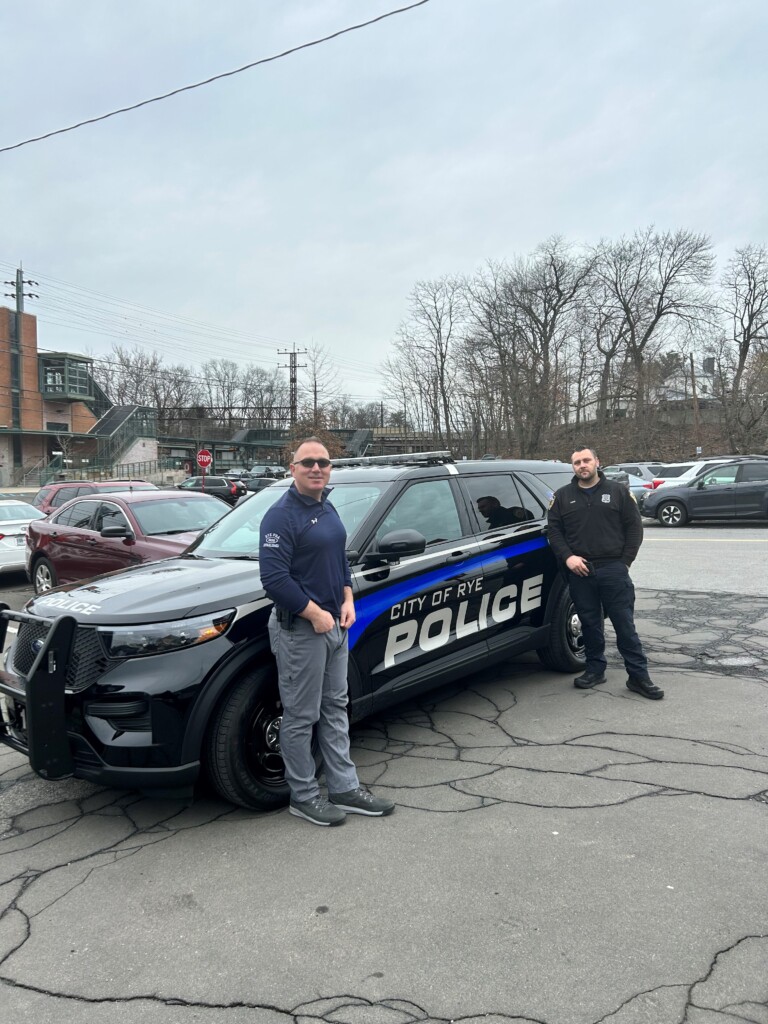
column 161, row 637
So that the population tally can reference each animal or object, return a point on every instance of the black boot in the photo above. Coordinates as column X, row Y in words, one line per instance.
column 645, row 687
column 588, row 680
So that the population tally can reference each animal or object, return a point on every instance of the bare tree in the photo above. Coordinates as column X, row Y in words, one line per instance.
column 658, row 282
column 742, row 353
column 320, row 383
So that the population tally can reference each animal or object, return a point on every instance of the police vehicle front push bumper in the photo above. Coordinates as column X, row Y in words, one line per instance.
column 33, row 718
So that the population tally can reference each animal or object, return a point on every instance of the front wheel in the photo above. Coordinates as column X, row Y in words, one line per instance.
column 243, row 744
column 565, row 650
column 44, row 576
column 672, row 513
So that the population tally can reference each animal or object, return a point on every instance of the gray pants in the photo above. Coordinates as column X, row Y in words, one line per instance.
column 312, row 675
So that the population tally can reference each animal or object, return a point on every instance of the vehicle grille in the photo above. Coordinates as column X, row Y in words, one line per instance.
column 88, row 661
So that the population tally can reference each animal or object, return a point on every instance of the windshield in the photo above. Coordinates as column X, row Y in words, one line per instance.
column 237, row 535
column 177, row 514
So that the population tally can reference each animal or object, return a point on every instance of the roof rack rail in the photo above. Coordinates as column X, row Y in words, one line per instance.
column 406, row 459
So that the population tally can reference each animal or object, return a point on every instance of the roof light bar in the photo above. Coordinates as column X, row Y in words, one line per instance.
column 406, row 459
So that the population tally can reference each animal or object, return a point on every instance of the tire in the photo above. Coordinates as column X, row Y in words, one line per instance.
column 672, row 513
column 242, row 749
column 44, row 576
column 565, row 650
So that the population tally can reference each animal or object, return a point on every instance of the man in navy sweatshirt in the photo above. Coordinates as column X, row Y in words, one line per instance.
column 304, row 570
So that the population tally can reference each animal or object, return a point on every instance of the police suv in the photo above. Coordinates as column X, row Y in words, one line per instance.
column 148, row 677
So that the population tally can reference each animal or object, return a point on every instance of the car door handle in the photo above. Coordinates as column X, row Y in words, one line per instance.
column 455, row 556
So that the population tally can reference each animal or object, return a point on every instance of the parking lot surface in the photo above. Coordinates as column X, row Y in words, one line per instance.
column 556, row 856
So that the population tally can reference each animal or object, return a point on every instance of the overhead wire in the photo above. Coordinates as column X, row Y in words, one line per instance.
column 63, row 304
column 215, row 78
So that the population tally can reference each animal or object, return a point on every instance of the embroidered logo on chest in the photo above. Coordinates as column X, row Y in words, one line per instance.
column 606, row 499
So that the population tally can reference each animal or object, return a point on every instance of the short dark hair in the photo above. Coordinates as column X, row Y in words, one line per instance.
column 583, row 448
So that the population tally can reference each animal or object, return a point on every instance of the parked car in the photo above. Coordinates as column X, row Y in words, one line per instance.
column 695, row 469
column 640, row 475
column 258, row 483
column 169, row 671
column 54, row 495
column 732, row 490
column 15, row 517
column 219, row 486
column 267, row 470
column 612, row 473
column 94, row 535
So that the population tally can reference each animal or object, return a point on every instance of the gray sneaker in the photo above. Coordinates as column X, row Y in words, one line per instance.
column 318, row 811
column 361, row 801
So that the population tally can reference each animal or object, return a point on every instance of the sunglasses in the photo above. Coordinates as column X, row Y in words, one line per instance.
column 309, row 463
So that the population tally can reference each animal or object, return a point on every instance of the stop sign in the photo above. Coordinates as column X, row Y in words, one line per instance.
column 204, row 458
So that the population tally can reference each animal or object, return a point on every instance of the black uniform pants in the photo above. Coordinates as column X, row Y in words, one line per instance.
column 608, row 591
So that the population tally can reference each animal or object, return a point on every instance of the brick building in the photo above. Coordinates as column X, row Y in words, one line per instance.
column 49, row 403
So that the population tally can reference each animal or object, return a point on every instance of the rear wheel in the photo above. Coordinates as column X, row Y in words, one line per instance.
column 672, row 513
column 44, row 576
column 565, row 650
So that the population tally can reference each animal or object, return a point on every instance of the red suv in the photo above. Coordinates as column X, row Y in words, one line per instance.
column 56, row 494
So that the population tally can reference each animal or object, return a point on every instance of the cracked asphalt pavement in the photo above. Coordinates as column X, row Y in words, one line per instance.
column 557, row 856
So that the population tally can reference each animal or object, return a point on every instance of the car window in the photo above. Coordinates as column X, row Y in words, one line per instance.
column 177, row 515
column 191, row 484
column 721, row 475
column 427, row 506
column 753, row 471
column 554, row 478
column 41, row 496
column 79, row 514
column 237, row 535
column 110, row 515
column 65, row 494
column 497, row 501
column 671, row 472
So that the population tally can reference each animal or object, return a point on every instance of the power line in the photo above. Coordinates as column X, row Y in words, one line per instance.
column 215, row 78
column 67, row 305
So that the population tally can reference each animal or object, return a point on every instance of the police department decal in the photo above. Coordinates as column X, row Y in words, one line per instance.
column 446, row 624
column 272, row 540
column 606, row 499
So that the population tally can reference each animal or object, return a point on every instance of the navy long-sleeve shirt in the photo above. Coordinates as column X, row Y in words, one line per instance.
column 302, row 554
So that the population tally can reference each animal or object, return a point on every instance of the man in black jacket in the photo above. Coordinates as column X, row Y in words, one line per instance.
column 595, row 530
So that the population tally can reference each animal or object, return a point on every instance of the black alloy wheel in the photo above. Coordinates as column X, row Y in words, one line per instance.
column 242, row 755
column 565, row 650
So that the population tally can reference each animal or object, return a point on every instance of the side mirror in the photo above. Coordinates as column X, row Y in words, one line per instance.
column 118, row 531
column 397, row 544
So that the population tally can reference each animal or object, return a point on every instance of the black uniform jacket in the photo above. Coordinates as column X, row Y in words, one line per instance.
column 601, row 525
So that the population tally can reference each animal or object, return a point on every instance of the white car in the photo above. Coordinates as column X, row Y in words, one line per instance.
column 683, row 472
column 14, row 517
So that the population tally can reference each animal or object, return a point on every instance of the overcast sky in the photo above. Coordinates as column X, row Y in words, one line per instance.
column 299, row 202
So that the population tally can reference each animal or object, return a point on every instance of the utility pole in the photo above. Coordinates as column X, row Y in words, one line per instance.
column 696, row 415
column 293, row 379
column 16, row 357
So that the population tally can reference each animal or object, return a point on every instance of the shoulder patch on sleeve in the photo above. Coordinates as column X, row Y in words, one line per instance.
column 551, row 502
